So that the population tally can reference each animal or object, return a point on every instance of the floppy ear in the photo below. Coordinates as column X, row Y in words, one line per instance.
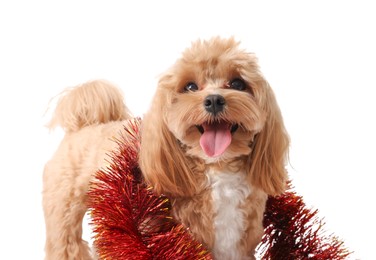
column 270, row 149
column 161, row 159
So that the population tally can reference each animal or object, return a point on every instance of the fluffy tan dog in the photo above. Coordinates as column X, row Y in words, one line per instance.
column 213, row 141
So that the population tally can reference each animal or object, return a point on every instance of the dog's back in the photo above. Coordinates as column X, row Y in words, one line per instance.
column 91, row 114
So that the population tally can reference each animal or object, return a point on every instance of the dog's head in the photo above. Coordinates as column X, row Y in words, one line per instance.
column 213, row 106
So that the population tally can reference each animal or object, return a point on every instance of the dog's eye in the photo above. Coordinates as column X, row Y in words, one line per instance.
column 237, row 84
column 191, row 86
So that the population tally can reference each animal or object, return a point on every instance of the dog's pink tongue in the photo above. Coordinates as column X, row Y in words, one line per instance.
column 215, row 139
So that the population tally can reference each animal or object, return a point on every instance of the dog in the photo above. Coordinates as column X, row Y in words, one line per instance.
column 213, row 141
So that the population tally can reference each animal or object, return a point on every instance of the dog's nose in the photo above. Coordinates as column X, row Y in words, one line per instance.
column 214, row 103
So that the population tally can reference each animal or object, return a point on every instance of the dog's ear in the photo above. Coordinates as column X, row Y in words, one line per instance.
column 270, row 148
column 161, row 159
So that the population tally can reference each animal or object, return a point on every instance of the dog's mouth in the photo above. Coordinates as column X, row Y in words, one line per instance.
column 216, row 137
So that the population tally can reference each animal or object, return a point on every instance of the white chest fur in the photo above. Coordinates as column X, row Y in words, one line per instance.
column 229, row 192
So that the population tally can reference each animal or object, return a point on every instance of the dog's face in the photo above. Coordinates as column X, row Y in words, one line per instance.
column 213, row 106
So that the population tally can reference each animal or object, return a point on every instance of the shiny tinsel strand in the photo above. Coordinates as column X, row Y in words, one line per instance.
column 129, row 221
column 294, row 232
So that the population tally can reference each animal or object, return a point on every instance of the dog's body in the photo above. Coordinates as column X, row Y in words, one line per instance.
column 81, row 153
column 213, row 141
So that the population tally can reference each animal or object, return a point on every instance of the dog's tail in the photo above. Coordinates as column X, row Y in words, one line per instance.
column 94, row 102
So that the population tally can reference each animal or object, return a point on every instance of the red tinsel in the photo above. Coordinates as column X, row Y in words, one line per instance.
column 292, row 231
column 130, row 222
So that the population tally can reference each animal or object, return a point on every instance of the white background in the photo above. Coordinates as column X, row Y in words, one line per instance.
column 319, row 56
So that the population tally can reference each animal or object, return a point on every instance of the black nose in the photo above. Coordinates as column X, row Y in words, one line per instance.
column 214, row 104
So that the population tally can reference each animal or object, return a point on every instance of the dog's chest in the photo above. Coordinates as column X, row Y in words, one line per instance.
column 229, row 193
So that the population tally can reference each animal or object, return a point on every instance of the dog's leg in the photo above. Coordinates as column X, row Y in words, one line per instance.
column 64, row 209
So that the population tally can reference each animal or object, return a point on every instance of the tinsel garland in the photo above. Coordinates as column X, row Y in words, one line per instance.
column 293, row 232
column 130, row 222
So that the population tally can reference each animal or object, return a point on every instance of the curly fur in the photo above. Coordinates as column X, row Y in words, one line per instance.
column 92, row 115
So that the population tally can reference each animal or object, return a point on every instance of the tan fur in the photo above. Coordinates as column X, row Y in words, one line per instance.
column 91, row 103
column 172, row 160
column 91, row 114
